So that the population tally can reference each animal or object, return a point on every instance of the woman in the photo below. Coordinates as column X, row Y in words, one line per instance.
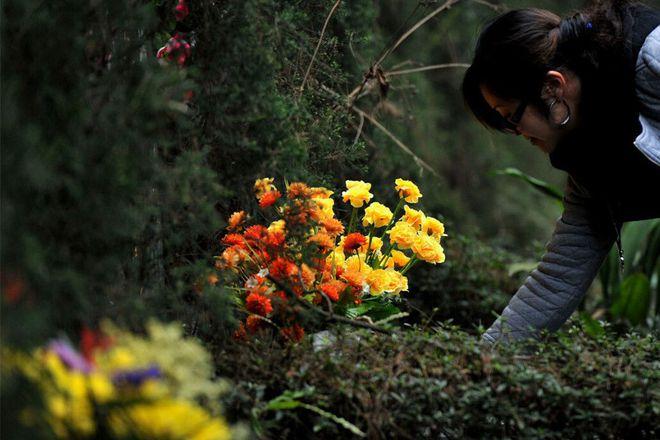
column 586, row 91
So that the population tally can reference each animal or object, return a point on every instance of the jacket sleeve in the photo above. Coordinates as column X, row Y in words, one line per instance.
column 647, row 89
column 581, row 240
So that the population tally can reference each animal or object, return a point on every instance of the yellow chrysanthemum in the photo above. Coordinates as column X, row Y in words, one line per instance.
column 377, row 214
column 318, row 192
column 376, row 245
column 262, row 186
column 277, row 226
column 378, row 280
column 336, row 257
column 356, row 263
column 399, row 259
column 397, row 282
column 325, row 206
column 407, row 190
column 428, row 249
column 434, row 227
column 413, row 216
column 402, row 234
column 357, row 192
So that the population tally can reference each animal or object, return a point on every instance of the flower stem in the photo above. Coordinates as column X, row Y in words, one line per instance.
column 351, row 223
column 396, row 211
column 410, row 264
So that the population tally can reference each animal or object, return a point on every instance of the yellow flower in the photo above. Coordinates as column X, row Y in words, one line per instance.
column 428, row 249
column 413, row 216
column 277, row 226
column 357, row 192
column 264, row 185
column 397, row 282
column 378, row 281
column 101, row 387
column 356, row 263
column 318, row 192
column 403, row 235
column 399, row 259
column 376, row 244
column 377, row 214
column 407, row 190
column 167, row 418
column 336, row 257
column 434, row 227
column 325, row 206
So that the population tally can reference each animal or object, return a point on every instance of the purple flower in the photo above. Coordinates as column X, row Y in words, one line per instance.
column 69, row 356
column 137, row 376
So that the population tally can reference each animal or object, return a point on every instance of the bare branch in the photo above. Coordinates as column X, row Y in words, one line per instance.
column 325, row 25
column 426, row 68
column 396, row 140
column 448, row 4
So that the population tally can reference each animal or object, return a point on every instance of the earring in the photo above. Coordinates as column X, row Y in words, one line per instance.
column 563, row 119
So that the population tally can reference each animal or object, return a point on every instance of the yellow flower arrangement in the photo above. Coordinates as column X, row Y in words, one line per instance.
column 377, row 214
column 357, row 193
column 402, row 234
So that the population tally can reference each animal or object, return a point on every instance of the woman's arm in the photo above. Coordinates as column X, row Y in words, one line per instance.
column 581, row 240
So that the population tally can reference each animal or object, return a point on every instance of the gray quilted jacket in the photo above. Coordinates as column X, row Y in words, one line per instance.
column 577, row 249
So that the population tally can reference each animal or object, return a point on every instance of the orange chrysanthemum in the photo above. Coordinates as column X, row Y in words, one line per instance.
column 282, row 269
column 269, row 198
column 233, row 240
column 275, row 240
column 253, row 323
column 298, row 190
column 322, row 240
column 258, row 304
column 240, row 334
column 295, row 333
column 333, row 289
column 236, row 220
column 354, row 279
column 354, row 241
column 308, row 276
column 332, row 226
column 256, row 233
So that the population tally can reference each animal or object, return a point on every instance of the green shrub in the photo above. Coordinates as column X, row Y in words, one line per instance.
column 443, row 384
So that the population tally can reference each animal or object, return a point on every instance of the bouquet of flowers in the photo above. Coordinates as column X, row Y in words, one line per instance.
column 123, row 386
column 306, row 256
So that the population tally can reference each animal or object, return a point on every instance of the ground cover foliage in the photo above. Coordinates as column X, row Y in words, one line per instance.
column 441, row 383
column 119, row 171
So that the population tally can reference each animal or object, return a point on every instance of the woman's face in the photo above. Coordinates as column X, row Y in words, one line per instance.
column 534, row 125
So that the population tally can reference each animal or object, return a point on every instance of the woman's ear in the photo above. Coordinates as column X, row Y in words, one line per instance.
column 554, row 85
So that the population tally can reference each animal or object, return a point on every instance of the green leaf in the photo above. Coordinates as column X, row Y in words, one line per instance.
column 591, row 326
column 633, row 301
column 539, row 185
column 354, row 312
column 382, row 311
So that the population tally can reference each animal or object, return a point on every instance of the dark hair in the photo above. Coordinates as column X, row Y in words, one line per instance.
column 516, row 49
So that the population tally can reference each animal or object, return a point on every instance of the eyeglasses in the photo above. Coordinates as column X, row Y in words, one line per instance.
column 510, row 125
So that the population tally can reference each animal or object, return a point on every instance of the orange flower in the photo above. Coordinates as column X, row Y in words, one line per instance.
column 282, row 269
column 256, row 233
column 332, row 226
column 333, row 289
column 240, row 334
column 275, row 239
column 354, row 241
column 233, row 256
column 295, row 333
column 258, row 304
column 236, row 220
column 233, row 240
column 254, row 323
column 322, row 240
column 308, row 276
column 269, row 198
column 298, row 190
